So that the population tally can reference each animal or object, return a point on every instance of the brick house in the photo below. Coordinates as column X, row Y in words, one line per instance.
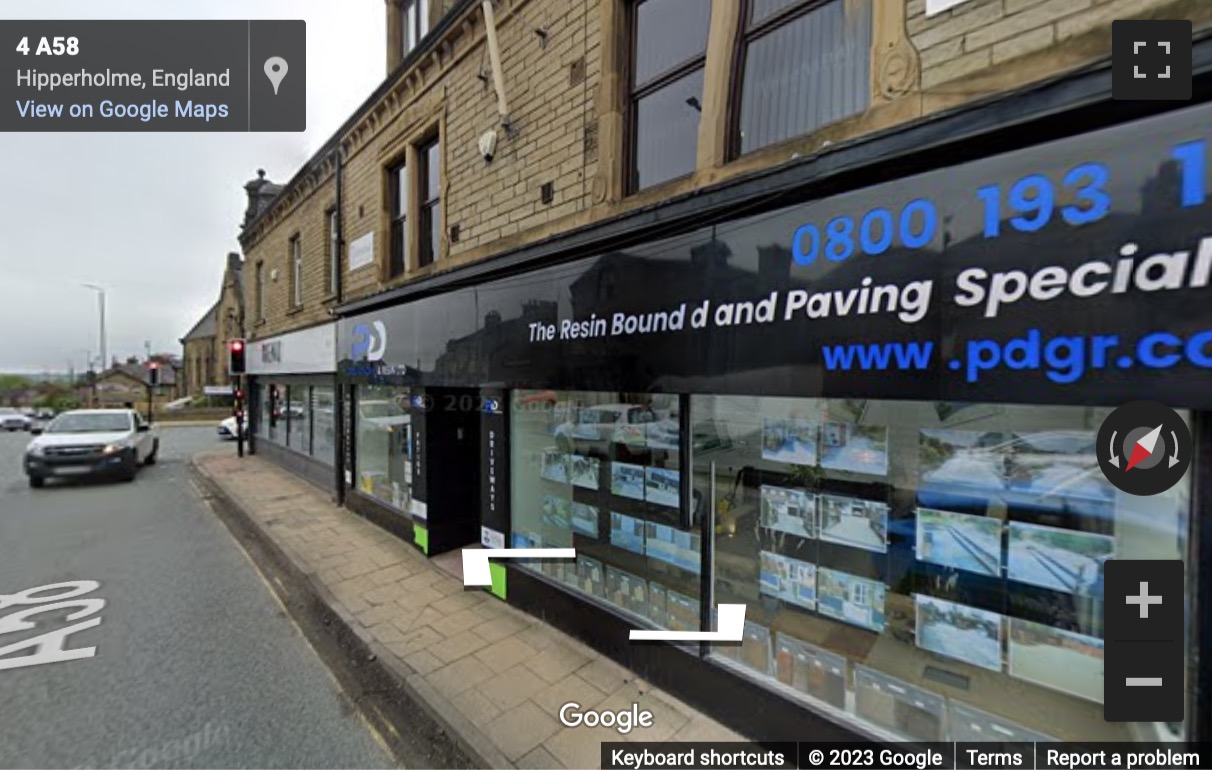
column 655, row 159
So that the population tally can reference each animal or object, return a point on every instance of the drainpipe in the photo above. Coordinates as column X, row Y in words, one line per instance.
column 494, row 55
column 338, row 401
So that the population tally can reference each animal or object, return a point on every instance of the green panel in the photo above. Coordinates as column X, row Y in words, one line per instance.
column 498, row 580
column 420, row 536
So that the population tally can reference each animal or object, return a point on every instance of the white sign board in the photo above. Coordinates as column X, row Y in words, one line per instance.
column 362, row 251
column 216, row 390
column 938, row 6
column 310, row 351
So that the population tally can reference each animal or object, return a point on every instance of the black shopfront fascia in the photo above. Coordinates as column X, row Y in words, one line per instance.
column 1066, row 207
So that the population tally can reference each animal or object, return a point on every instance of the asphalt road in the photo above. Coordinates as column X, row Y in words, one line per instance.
column 196, row 663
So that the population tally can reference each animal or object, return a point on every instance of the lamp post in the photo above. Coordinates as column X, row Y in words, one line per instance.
column 101, row 300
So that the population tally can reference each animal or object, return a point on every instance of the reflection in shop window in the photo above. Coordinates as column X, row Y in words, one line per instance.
column 933, row 569
column 323, row 414
column 295, row 414
column 383, row 451
column 601, row 472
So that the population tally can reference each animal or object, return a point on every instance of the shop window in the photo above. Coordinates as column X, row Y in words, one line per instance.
column 298, row 422
column 668, row 52
column 384, row 448
column 324, row 437
column 933, row 569
column 429, row 211
column 399, row 221
column 600, row 472
column 804, row 64
column 274, row 413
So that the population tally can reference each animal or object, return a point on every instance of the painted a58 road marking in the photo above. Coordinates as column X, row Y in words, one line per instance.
column 49, row 647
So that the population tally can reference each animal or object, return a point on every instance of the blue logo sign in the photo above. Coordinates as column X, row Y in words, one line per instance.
column 369, row 342
column 492, row 406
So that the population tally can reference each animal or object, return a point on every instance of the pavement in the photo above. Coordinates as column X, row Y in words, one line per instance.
column 492, row 676
column 194, row 661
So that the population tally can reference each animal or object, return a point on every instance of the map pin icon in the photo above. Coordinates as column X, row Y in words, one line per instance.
column 275, row 70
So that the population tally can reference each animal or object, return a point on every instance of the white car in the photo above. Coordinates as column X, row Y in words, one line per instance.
column 228, row 428
column 12, row 420
column 91, row 442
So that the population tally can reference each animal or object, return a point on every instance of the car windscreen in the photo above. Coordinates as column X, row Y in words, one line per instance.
column 89, row 423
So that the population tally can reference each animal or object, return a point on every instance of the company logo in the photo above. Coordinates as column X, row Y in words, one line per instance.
column 271, row 352
column 422, row 402
column 369, row 342
column 1144, row 448
column 492, row 406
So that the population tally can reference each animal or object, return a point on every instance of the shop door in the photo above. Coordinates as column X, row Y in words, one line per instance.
column 453, row 448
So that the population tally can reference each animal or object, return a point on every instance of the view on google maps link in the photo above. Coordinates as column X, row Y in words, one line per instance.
column 606, row 384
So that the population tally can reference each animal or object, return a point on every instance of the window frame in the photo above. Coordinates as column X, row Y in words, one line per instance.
column 427, row 200
column 259, row 278
column 399, row 217
column 296, row 271
column 414, row 18
column 745, row 37
column 332, row 242
column 634, row 94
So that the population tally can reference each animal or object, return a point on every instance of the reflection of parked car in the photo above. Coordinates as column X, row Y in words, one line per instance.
column 228, row 428
column 597, row 427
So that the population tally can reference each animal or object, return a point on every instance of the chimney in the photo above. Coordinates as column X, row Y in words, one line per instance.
column 395, row 35
column 261, row 193
column 234, row 261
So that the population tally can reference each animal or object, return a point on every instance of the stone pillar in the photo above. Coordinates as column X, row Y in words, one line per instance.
column 395, row 35
column 611, row 103
column 717, row 83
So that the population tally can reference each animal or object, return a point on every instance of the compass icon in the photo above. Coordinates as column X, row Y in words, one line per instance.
column 1144, row 448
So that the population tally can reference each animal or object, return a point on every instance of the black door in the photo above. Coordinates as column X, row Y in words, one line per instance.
column 452, row 446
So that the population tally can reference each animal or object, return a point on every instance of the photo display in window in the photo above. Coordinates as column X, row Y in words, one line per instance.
column 963, row 633
column 586, row 519
column 789, row 510
column 584, row 471
column 960, row 540
column 627, row 532
column 555, row 466
column 627, row 480
column 959, row 551
column 854, row 522
column 850, row 444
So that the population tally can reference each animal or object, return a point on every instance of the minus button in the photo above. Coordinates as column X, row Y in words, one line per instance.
column 1143, row 681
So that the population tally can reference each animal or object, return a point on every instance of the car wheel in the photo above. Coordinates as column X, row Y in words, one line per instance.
column 151, row 458
column 36, row 482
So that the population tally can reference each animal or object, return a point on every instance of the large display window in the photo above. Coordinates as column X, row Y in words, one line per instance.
column 323, row 415
column 931, row 570
column 600, row 472
column 384, row 443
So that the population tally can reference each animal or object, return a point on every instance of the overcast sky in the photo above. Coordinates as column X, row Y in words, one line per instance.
column 151, row 217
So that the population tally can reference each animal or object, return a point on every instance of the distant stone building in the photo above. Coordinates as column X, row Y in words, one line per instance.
column 205, row 345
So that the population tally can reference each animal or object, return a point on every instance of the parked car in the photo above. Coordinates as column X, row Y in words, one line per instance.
column 91, row 442
column 229, row 428
column 12, row 420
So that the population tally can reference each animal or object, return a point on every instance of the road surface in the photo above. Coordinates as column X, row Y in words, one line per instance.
column 196, row 663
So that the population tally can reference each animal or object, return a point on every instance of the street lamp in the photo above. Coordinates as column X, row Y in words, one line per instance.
column 101, row 298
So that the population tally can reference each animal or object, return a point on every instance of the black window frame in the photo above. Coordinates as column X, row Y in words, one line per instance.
column 397, row 252
column 653, row 85
column 746, row 36
column 428, row 202
column 414, row 17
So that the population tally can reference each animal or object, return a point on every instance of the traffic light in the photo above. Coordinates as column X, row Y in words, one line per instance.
column 153, row 374
column 235, row 356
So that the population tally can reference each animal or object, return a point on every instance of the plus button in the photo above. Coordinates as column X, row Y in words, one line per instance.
column 1144, row 600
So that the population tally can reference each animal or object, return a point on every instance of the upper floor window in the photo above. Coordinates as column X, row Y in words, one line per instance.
column 259, row 286
column 804, row 64
column 430, row 222
column 668, row 51
column 399, row 221
column 296, row 272
column 332, row 227
column 414, row 15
